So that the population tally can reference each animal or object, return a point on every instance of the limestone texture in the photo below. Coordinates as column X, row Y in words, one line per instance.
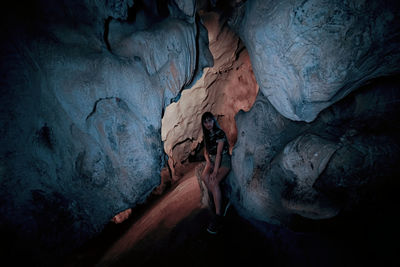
column 81, row 113
column 319, row 137
column 310, row 54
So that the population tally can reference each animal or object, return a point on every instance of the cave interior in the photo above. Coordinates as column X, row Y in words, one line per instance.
column 101, row 142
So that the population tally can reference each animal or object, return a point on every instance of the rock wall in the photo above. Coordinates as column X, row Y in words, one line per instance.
column 308, row 55
column 224, row 89
column 283, row 168
column 81, row 113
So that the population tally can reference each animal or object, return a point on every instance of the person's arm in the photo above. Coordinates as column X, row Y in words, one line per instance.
column 218, row 157
column 207, row 157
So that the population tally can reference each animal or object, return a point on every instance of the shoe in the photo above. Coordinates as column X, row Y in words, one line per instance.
column 215, row 225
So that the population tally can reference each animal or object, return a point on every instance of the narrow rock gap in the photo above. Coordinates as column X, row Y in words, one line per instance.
column 224, row 89
column 106, row 31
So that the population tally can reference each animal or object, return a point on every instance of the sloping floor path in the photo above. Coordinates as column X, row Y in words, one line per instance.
column 171, row 231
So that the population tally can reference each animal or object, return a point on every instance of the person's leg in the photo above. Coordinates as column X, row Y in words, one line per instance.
column 205, row 175
column 216, row 190
column 216, row 220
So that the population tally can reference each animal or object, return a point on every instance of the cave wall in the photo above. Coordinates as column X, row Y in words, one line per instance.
column 308, row 55
column 84, row 85
column 322, row 133
column 283, row 168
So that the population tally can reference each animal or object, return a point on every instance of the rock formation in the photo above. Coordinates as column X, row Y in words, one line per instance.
column 224, row 89
column 282, row 168
column 308, row 55
column 84, row 85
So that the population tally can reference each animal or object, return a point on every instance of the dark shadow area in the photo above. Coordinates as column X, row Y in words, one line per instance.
column 155, row 9
column 366, row 235
column 189, row 244
column 90, row 253
column 363, row 236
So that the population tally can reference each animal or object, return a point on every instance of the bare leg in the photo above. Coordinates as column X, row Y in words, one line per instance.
column 205, row 175
column 216, row 190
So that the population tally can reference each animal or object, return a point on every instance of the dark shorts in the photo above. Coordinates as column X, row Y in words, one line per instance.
column 225, row 160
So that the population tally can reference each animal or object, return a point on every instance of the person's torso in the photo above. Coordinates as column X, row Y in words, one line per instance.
column 217, row 135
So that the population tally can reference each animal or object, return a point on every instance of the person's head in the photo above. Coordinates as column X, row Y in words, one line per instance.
column 208, row 123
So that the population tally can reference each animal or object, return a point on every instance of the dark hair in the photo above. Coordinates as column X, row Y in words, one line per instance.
column 206, row 133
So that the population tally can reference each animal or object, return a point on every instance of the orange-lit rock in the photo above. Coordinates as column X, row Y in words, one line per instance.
column 122, row 216
column 159, row 220
column 224, row 89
